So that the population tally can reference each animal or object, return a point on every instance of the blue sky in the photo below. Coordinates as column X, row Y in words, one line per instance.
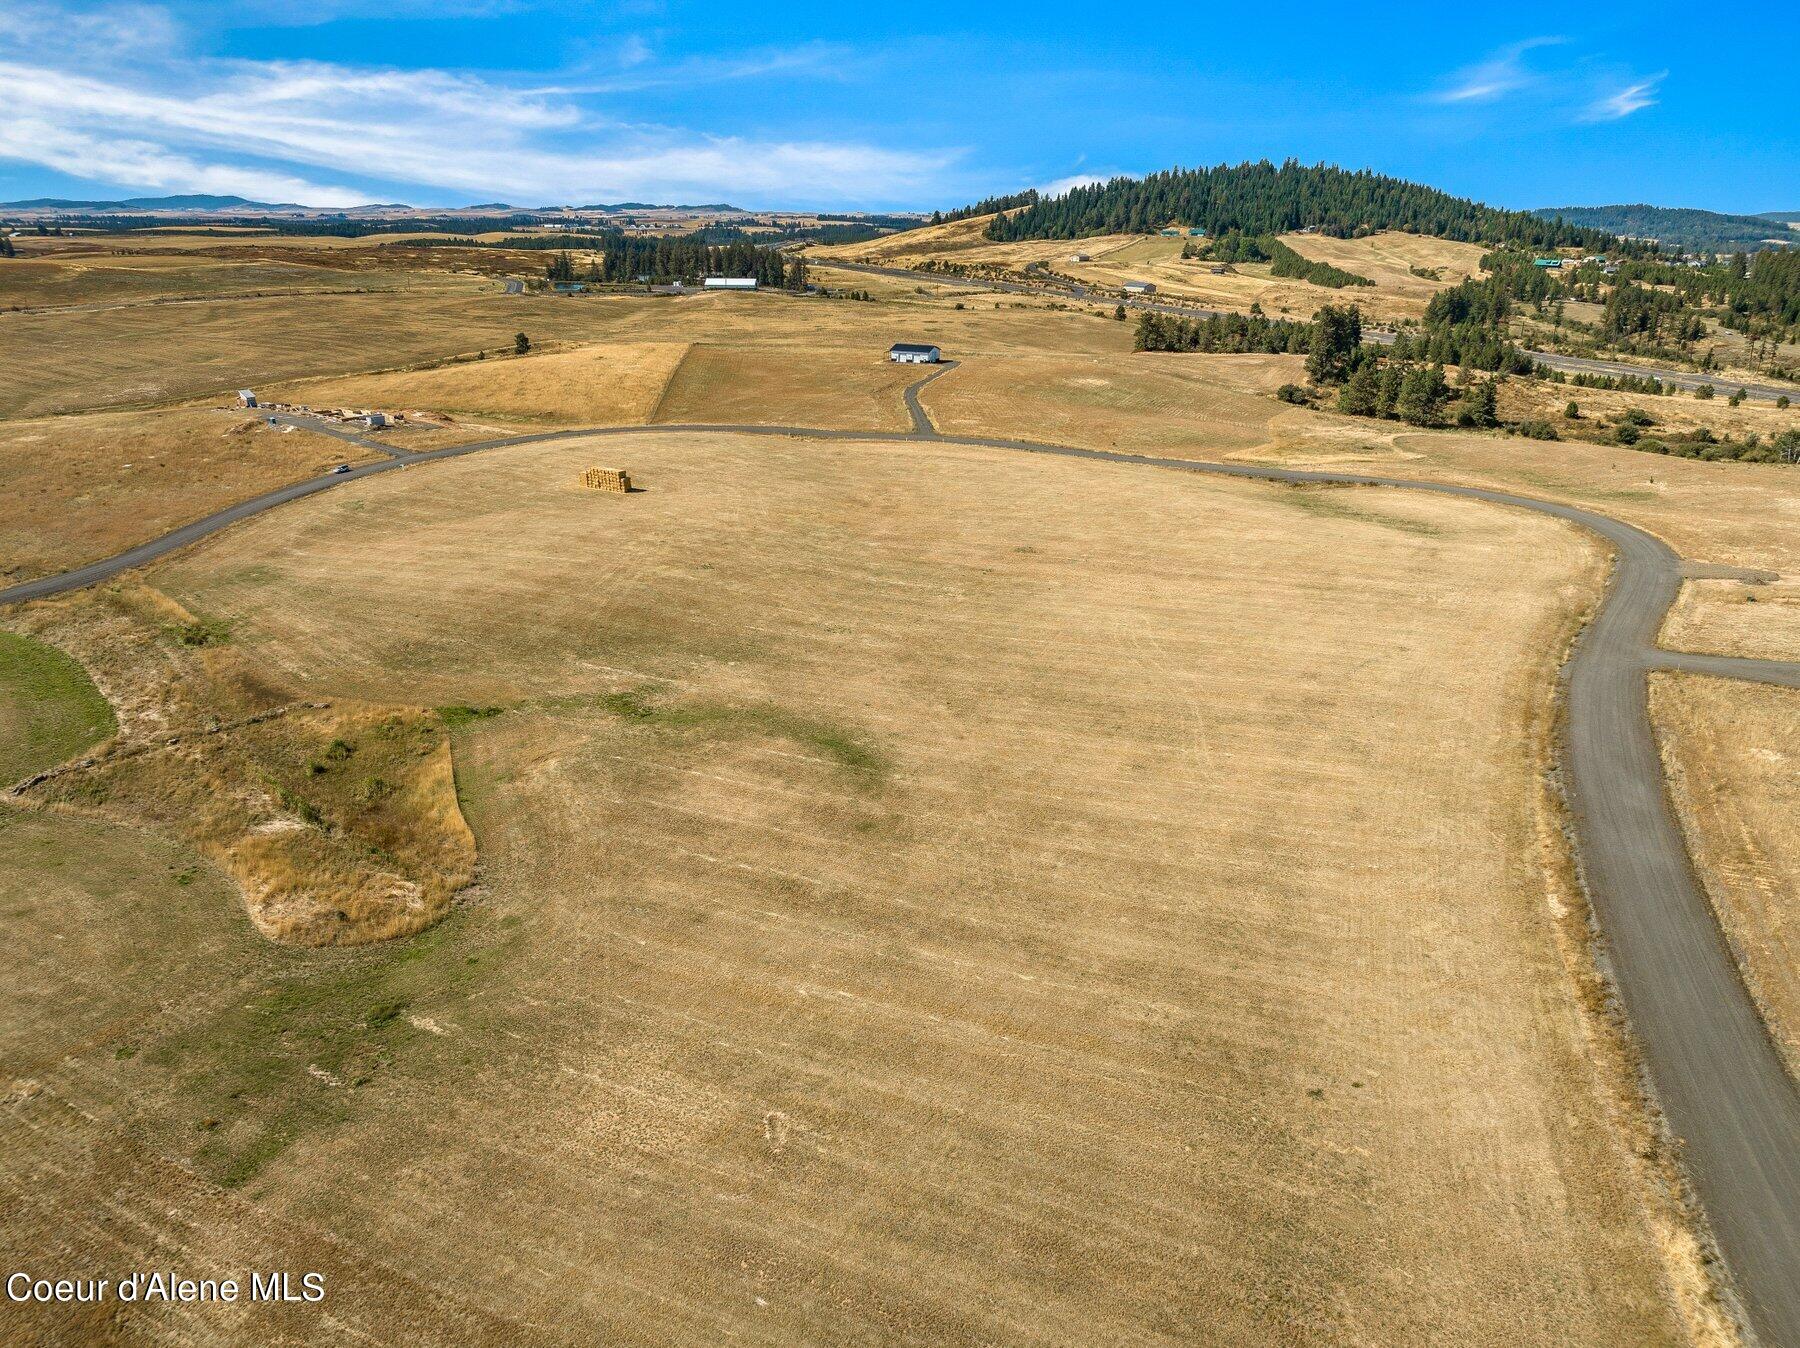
column 335, row 102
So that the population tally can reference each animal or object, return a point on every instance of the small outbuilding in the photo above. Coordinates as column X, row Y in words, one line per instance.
column 1139, row 287
column 729, row 283
column 246, row 398
column 914, row 353
column 1080, row 257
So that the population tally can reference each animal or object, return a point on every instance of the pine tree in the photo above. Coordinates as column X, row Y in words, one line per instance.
column 1422, row 395
column 1336, row 338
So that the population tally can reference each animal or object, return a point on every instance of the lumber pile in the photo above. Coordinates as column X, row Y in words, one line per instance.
column 607, row 479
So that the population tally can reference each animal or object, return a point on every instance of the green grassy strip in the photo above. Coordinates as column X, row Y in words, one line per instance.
column 49, row 708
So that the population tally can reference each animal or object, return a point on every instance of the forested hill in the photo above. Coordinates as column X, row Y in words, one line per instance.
column 1262, row 198
column 1679, row 227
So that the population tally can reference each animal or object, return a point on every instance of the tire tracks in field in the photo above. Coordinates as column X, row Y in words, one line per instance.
column 1716, row 1073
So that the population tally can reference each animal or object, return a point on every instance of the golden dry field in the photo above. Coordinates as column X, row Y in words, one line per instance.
column 1155, row 404
column 888, row 853
column 56, row 362
column 836, row 388
column 1732, row 751
column 85, row 487
column 600, row 385
column 1388, row 259
column 1117, row 258
column 879, row 892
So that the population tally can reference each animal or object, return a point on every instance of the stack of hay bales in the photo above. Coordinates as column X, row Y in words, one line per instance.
column 607, row 479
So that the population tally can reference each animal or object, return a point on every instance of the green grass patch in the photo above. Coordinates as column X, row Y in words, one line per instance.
column 49, row 708
column 458, row 716
column 200, row 632
column 832, row 742
column 1330, row 504
column 301, row 1054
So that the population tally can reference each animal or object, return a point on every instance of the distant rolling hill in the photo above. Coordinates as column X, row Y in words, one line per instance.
column 1679, row 227
column 194, row 202
column 1782, row 217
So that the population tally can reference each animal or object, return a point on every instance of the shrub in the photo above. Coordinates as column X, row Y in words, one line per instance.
column 1573, row 410
column 1293, row 393
column 1704, row 393
column 1536, row 430
column 464, row 715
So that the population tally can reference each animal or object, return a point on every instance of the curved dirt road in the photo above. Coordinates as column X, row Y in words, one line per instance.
column 1715, row 1070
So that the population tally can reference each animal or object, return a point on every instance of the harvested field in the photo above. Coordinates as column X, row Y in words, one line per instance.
column 1388, row 258
column 879, row 874
column 607, row 385
column 82, row 488
column 102, row 278
column 1733, row 756
column 1117, row 258
column 69, row 361
column 849, row 389
column 1758, row 618
column 1141, row 404
column 159, row 353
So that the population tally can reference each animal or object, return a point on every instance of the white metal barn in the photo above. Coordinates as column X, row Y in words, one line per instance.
column 914, row 353
column 1139, row 287
column 729, row 283
column 1080, row 257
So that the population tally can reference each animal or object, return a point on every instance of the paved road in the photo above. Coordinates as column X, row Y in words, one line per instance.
column 1569, row 364
column 319, row 426
column 1716, row 1073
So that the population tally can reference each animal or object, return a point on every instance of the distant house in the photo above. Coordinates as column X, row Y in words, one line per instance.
column 1139, row 288
column 914, row 353
column 569, row 287
column 729, row 283
column 1548, row 263
column 1171, row 233
column 1196, row 233
column 246, row 398
column 376, row 420
column 1080, row 257
column 1218, row 269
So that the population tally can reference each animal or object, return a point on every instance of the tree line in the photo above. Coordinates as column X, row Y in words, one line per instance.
column 627, row 259
column 1263, row 198
column 987, row 206
column 1237, row 333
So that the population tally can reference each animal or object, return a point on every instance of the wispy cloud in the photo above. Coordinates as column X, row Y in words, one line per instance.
column 307, row 131
column 1571, row 87
column 1503, row 73
column 1622, row 102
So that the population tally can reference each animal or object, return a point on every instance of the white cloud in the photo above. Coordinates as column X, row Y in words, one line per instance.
column 1622, row 102
column 1501, row 74
column 297, row 129
column 1061, row 185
